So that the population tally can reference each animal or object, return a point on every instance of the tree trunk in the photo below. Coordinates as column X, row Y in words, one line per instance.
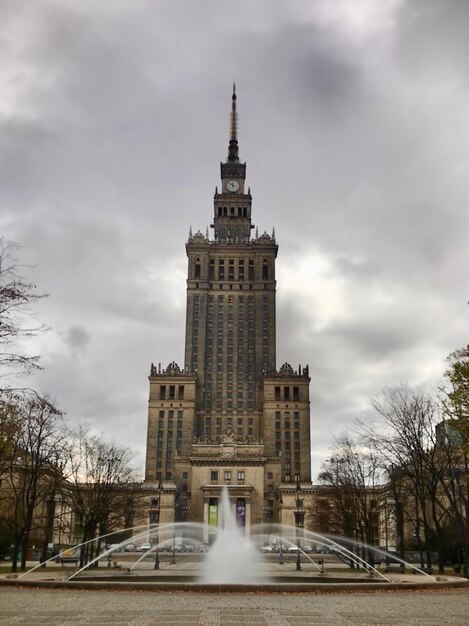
column 465, row 559
column 24, row 550
column 48, row 530
column 14, row 555
column 441, row 555
column 400, row 528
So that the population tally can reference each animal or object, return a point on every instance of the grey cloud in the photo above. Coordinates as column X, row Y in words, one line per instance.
column 431, row 40
column 77, row 337
column 117, row 119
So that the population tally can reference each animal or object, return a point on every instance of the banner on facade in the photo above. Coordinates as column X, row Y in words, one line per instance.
column 213, row 515
column 241, row 512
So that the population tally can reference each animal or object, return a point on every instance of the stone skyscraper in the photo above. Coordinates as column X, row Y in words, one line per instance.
column 229, row 416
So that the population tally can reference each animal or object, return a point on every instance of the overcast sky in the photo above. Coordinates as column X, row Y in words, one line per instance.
column 354, row 123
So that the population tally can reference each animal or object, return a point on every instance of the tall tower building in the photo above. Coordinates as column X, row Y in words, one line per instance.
column 229, row 416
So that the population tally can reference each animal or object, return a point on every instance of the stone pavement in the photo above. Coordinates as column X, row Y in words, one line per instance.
column 34, row 607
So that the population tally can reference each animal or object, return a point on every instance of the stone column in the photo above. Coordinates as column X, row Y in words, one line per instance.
column 248, row 518
column 205, row 521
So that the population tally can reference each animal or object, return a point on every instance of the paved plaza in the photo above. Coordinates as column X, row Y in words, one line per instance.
column 33, row 607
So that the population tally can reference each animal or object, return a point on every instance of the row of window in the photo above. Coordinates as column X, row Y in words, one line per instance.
column 229, row 420
column 171, row 392
column 296, row 425
column 170, row 414
column 228, row 270
column 230, row 287
column 224, row 211
column 169, row 438
column 287, row 435
column 287, row 466
column 296, row 478
column 287, row 442
column 218, row 430
column 286, row 416
column 229, row 424
column 227, row 477
column 231, row 300
column 166, row 475
column 289, row 393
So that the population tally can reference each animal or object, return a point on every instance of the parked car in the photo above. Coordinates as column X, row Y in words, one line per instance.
column 144, row 547
column 130, row 547
column 266, row 549
column 188, row 547
column 116, row 547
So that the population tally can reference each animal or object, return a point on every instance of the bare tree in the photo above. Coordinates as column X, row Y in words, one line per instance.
column 35, row 438
column 404, row 434
column 16, row 299
column 353, row 475
column 100, row 475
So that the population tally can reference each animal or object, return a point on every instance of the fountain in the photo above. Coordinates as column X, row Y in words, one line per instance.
column 235, row 560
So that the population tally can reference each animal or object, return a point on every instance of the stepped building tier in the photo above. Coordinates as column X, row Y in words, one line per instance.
column 229, row 416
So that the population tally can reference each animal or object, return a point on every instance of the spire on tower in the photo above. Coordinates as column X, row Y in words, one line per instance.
column 234, row 120
column 233, row 146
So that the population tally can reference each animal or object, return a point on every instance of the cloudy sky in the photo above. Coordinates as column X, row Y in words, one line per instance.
column 354, row 123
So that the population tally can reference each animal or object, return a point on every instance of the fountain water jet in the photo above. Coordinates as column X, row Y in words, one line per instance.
column 233, row 558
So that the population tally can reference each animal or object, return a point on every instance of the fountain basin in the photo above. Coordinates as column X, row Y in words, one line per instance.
column 311, row 584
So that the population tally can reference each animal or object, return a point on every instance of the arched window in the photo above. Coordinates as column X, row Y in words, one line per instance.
column 264, row 271
column 225, row 211
column 197, row 270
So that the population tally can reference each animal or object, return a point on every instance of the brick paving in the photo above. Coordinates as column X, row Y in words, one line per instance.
column 34, row 607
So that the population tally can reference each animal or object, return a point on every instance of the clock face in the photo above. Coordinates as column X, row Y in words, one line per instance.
column 232, row 185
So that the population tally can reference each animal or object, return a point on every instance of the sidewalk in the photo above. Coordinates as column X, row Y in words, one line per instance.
column 32, row 607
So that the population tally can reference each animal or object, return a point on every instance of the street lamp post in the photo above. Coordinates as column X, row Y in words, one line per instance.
column 157, row 553
column 185, row 511
column 269, row 515
column 386, row 540
column 173, row 558
column 262, row 529
column 280, row 556
column 299, row 520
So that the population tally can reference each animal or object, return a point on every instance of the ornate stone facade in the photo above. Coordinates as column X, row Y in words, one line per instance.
column 229, row 417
